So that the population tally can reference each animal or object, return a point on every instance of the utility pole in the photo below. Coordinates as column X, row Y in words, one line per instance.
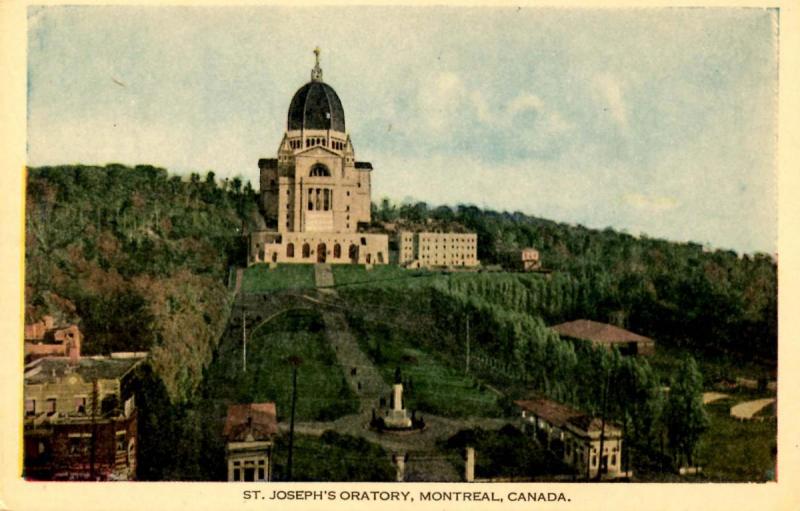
column 295, row 361
column 603, row 427
column 244, row 341
column 467, row 343
column 93, row 439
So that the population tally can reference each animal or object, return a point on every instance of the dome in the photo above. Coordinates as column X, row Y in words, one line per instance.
column 315, row 106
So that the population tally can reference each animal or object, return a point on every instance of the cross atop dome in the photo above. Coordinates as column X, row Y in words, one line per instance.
column 316, row 73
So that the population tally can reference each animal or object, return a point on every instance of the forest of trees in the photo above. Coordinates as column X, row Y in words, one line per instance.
column 140, row 259
column 683, row 294
column 137, row 257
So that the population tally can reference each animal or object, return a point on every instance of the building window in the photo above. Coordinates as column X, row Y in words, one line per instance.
column 337, row 251
column 121, row 443
column 306, row 250
column 613, row 460
column 290, row 250
column 594, row 460
column 30, row 407
column 80, row 404
column 319, row 170
column 51, row 406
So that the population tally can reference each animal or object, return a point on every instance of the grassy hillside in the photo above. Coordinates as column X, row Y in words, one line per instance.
column 714, row 301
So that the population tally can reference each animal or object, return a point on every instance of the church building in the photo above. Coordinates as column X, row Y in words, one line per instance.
column 315, row 195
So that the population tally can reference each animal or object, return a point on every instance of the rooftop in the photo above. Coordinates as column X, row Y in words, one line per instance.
column 593, row 331
column 553, row 412
column 51, row 369
column 250, row 422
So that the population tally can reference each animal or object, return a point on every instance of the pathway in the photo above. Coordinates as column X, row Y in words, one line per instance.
column 323, row 277
column 426, row 462
column 746, row 410
column 710, row 397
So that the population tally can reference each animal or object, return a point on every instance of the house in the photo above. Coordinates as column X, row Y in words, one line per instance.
column 249, row 430
column 529, row 259
column 575, row 437
column 603, row 334
column 44, row 338
column 80, row 418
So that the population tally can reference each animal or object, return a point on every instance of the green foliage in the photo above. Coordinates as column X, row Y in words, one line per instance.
column 332, row 457
column 322, row 393
column 685, row 416
column 137, row 258
column 506, row 452
column 260, row 278
column 431, row 385
column 734, row 450
column 678, row 293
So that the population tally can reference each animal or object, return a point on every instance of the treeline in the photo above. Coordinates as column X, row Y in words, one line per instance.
column 518, row 352
column 138, row 258
column 714, row 301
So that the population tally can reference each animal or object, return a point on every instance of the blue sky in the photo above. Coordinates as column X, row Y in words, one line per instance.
column 660, row 121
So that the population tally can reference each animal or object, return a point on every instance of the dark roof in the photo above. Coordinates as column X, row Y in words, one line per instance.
column 49, row 369
column 555, row 413
column 269, row 163
column 258, row 420
column 316, row 106
column 587, row 330
column 363, row 165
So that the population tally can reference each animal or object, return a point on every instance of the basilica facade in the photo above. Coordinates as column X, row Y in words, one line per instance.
column 315, row 196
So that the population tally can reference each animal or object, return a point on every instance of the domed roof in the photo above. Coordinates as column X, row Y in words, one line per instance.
column 316, row 106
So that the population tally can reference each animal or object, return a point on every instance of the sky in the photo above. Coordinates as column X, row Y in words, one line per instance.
column 653, row 121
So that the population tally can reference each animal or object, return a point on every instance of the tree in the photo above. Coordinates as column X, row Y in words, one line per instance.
column 685, row 416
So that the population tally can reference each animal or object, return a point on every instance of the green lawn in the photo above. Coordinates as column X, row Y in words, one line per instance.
column 384, row 276
column 332, row 457
column 322, row 392
column 260, row 278
column 431, row 386
column 733, row 450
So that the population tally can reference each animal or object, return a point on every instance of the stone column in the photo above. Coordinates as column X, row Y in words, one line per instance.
column 469, row 467
column 397, row 401
column 400, row 464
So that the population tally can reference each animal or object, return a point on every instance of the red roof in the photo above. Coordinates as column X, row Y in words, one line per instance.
column 258, row 420
column 555, row 413
column 593, row 331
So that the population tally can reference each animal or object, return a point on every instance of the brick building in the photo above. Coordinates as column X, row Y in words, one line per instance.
column 45, row 338
column 80, row 418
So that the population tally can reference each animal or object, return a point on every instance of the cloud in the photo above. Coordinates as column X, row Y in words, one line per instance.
column 651, row 204
column 610, row 90
column 524, row 102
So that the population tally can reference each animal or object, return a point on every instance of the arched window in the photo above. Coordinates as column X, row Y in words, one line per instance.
column 290, row 250
column 306, row 250
column 319, row 170
column 337, row 251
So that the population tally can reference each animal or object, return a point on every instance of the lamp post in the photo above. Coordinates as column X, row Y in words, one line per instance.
column 295, row 362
